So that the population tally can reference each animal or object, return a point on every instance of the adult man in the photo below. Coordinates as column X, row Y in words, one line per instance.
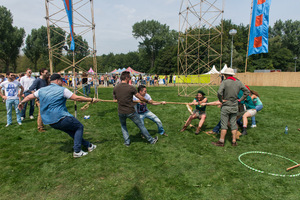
column 26, row 81
column 143, row 111
column 12, row 96
column 54, row 112
column 228, row 96
column 37, row 84
column 124, row 94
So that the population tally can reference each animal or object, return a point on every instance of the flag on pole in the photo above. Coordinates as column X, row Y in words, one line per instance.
column 68, row 7
column 258, row 40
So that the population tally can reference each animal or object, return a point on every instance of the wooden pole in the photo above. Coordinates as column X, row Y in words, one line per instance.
column 49, row 39
column 94, row 52
column 290, row 168
column 248, row 37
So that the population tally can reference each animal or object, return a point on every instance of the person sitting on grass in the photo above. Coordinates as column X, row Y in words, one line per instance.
column 250, row 112
column 54, row 112
column 199, row 112
column 143, row 111
column 258, row 105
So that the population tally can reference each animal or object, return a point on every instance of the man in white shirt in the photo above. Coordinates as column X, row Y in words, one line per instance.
column 26, row 81
column 143, row 111
column 12, row 96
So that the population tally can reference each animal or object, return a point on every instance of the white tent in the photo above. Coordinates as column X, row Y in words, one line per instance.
column 223, row 70
column 213, row 71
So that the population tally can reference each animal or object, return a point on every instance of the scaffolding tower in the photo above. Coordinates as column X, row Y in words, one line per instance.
column 199, row 43
column 83, row 26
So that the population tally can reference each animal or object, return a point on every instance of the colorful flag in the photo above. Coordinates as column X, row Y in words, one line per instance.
column 68, row 6
column 258, row 40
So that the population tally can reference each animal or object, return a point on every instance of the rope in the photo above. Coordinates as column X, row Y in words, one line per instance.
column 115, row 101
column 263, row 172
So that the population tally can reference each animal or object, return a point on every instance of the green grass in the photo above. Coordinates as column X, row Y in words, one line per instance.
column 37, row 165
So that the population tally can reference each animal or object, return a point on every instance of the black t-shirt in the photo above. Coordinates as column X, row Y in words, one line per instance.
column 124, row 94
column 84, row 80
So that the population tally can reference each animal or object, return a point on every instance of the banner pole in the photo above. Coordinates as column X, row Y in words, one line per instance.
column 246, row 63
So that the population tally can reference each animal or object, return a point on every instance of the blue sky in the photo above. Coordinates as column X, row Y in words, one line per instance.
column 114, row 18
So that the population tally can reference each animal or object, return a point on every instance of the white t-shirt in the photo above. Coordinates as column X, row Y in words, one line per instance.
column 26, row 82
column 142, row 107
column 133, row 78
column 67, row 93
column 90, row 80
column 174, row 78
column 11, row 89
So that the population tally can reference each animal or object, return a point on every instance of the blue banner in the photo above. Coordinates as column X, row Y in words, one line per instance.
column 259, row 30
column 68, row 6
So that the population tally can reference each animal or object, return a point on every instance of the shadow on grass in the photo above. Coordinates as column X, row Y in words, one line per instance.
column 67, row 146
column 134, row 193
column 104, row 112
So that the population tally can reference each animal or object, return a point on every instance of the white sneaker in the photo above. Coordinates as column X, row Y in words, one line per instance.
column 90, row 149
column 253, row 126
column 20, row 123
column 31, row 117
column 79, row 154
column 7, row 125
column 22, row 118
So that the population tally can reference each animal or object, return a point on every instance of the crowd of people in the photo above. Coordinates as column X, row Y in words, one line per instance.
column 237, row 102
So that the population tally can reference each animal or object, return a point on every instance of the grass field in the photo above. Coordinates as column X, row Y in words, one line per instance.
column 37, row 165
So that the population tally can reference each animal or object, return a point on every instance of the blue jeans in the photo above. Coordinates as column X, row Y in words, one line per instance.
column 258, row 108
column 31, row 103
column 85, row 89
column 217, row 128
column 9, row 104
column 150, row 115
column 74, row 128
column 138, row 122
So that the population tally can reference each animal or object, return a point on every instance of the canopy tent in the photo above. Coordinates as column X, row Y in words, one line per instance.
column 129, row 69
column 223, row 70
column 91, row 71
column 132, row 71
column 114, row 71
column 213, row 71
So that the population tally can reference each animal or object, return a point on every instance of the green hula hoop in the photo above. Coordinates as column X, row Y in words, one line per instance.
column 263, row 172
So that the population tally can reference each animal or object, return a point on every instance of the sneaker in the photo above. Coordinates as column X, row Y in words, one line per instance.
column 31, row 117
column 127, row 145
column 92, row 147
column 22, row 118
column 79, row 154
column 155, row 140
column 20, row 123
column 218, row 144
column 253, row 126
column 7, row 125
column 183, row 128
column 244, row 132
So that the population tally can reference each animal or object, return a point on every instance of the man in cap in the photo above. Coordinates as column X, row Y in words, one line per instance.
column 228, row 96
column 54, row 112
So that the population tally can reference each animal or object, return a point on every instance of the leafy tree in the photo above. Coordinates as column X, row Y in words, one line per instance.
column 11, row 39
column 154, row 35
column 34, row 47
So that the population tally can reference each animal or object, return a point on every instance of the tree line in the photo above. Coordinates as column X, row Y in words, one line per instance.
column 157, row 49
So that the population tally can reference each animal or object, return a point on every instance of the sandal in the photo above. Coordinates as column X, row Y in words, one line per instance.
column 197, row 131
column 183, row 128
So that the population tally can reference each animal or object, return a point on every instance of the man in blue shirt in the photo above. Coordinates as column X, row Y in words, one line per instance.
column 54, row 112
